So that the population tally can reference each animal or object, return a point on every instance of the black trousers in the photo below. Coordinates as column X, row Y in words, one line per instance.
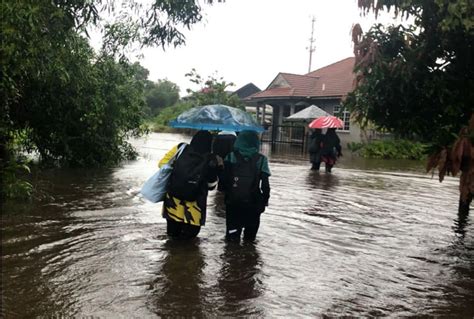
column 179, row 230
column 242, row 217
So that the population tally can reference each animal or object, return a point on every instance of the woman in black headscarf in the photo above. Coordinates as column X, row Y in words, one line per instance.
column 223, row 144
column 246, row 186
column 331, row 149
column 184, row 218
column 315, row 142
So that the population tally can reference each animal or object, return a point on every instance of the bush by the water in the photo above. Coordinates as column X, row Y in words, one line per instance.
column 160, row 122
column 390, row 149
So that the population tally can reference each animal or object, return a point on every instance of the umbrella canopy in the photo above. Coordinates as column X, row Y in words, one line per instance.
column 327, row 122
column 216, row 117
column 309, row 113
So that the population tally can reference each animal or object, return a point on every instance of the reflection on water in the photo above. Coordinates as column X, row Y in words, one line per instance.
column 366, row 240
column 178, row 282
column 322, row 181
column 240, row 280
column 460, row 224
column 219, row 203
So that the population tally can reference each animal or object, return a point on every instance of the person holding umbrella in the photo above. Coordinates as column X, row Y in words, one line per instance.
column 194, row 173
column 331, row 144
column 331, row 149
column 223, row 144
column 246, row 176
column 315, row 143
column 246, row 186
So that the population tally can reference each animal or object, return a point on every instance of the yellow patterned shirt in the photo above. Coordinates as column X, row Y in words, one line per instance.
column 189, row 212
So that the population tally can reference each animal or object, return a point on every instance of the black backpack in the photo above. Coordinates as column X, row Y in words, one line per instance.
column 243, row 187
column 188, row 175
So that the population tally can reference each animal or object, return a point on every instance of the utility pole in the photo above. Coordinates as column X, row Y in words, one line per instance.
column 311, row 46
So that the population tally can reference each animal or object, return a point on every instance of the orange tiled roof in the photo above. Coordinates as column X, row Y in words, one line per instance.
column 332, row 80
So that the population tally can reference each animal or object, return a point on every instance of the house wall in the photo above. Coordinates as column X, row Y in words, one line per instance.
column 279, row 82
column 354, row 135
column 283, row 109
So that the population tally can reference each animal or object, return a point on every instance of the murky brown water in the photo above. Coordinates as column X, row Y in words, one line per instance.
column 357, row 242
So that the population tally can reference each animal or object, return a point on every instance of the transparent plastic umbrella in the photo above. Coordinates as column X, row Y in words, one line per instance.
column 217, row 117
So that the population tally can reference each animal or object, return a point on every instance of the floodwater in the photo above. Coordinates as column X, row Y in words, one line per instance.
column 367, row 240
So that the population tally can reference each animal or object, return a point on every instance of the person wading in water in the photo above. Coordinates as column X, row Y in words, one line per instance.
column 246, row 186
column 194, row 173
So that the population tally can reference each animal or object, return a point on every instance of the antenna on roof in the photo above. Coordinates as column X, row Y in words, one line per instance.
column 311, row 47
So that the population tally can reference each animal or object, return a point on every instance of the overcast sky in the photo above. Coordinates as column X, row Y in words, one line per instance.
column 252, row 40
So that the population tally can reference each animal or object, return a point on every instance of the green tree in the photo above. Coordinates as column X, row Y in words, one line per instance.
column 141, row 73
column 161, row 94
column 213, row 90
column 161, row 121
column 70, row 104
column 417, row 80
column 85, row 116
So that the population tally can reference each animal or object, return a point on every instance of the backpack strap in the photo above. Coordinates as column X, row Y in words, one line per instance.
column 181, row 149
column 178, row 153
column 239, row 157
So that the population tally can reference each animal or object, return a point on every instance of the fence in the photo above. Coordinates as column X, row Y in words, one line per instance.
column 287, row 139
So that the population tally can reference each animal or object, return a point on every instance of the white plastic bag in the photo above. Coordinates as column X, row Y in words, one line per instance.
column 156, row 186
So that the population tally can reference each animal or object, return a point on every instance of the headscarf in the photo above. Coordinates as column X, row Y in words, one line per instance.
column 247, row 143
column 316, row 132
column 201, row 142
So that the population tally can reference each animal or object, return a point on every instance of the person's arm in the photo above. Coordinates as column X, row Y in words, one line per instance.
column 212, row 173
column 338, row 149
column 338, row 146
column 226, row 173
column 265, row 187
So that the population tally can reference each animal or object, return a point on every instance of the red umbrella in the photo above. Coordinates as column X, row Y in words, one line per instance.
column 327, row 122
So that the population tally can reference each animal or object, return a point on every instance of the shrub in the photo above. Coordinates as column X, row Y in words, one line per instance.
column 390, row 149
column 161, row 122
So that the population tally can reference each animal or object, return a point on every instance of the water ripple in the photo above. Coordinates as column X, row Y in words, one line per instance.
column 354, row 243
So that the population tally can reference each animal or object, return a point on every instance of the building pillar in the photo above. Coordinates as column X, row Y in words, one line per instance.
column 258, row 112
column 275, row 123
column 264, row 113
column 280, row 114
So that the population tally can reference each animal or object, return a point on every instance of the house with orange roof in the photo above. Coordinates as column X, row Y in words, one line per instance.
column 325, row 87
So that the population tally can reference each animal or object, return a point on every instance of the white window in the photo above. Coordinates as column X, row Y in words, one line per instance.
column 344, row 116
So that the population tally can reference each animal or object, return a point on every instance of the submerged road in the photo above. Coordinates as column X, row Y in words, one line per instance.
column 362, row 241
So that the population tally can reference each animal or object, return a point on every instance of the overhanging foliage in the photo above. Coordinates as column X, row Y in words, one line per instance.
column 418, row 81
column 71, row 104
